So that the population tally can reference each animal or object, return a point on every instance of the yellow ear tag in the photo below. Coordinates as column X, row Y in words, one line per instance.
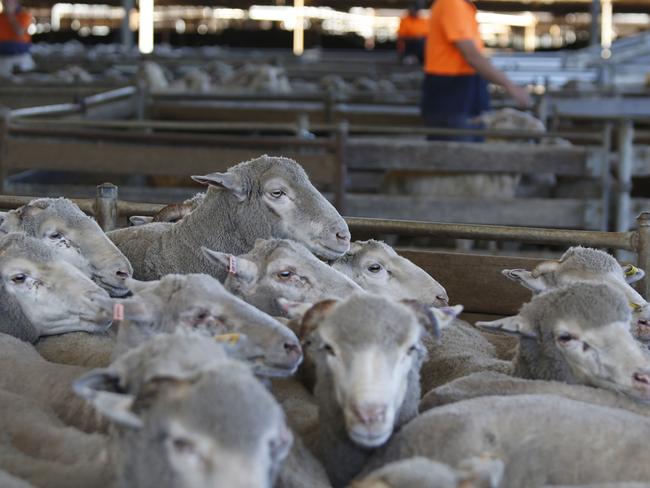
column 635, row 306
column 632, row 271
column 231, row 339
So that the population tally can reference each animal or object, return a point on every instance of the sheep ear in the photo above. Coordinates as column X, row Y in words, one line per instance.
column 426, row 316
column 446, row 315
column 515, row 325
column 313, row 317
column 228, row 181
column 136, row 220
column 294, row 310
column 526, row 279
column 632, row 273
column 237, row 266
column 137, row 286
column 101, row 388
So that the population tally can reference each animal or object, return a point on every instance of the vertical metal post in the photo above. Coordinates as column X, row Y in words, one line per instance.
column 643, row 252
column 594, row 28
column 605, row 177
column 105, row 206
column 624, row 174
column 126, row 36
column 4, row 136
column 340, row 184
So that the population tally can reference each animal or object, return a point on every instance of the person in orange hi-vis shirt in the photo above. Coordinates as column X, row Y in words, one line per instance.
column 15, row 41
column 412, row 33
column 457, row 72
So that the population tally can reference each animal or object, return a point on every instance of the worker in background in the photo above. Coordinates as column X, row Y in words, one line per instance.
column 457, row 72
column 412, row 34
column 15, row 41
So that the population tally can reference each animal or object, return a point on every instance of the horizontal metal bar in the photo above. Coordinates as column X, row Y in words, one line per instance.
column 59, row 109
column 615, row 240
column 109, row 96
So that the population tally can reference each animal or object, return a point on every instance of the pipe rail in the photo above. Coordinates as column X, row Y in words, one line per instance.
column 107, row 209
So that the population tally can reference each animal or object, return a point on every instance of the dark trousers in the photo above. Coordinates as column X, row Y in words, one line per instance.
column 452, row 102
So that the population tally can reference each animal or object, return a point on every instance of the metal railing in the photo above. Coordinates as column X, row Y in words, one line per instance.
column 107, row 209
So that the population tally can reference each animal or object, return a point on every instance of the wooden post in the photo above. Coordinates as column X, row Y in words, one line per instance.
column 643, row 251
column 105, row 207
column 624, row 174
column 341, row 177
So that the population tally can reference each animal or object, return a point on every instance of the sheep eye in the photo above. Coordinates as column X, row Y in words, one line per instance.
column 55, row 236
column 643, row 322
column 413, row 349
column 374, row 268
column 284, row 275
column 183, row 446
column 202, row 316
column 565, row 338
column 19, row 278
column 329, row 349
column 277, row 193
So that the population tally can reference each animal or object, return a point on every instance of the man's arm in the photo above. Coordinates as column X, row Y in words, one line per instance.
column 480, row 63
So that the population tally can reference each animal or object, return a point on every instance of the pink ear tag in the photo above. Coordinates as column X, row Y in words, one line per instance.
column 118, row 311
column 232, row 265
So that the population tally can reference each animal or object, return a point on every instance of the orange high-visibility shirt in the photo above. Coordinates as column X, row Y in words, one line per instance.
column 7, row 33
column 413, row 27
column 450, row 21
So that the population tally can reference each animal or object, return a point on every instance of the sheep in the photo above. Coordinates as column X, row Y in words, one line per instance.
column 8, row 481
column 581, row 265
column 24, row 372
column 36, row 431
column 42, row 296
column 61, row 225
column 187, row 415
column 201, row 303
column 579, row 334
column 280, row 268
column 377, row 268
column 264, row 197
column 368, row 351
column 488, row 383
column 542, row 439
column 461, row 349
column 420, row 472
column 153, row 76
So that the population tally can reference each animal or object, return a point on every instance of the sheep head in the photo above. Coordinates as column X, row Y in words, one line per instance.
column 277, row 268
column 580, row 265
column 369, row 350
column 580, row 334
column 377, row 268
column 278, row 192
column 53, row 295
column 199, row 302
column 188, row 416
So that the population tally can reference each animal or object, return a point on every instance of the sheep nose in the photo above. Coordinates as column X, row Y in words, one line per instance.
column 443, row 300
column 123, row 275
column 642, row 379
column 293, row 350
column 370, row 413
column 343, row 235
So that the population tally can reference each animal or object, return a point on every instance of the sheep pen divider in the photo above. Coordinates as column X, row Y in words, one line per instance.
column 472, row 280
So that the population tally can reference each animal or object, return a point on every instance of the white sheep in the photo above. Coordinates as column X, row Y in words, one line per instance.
column 542, row 439
column 368, row 351
column 579, row 334
column 277, row 269
column 261, row 198
column 186, row 415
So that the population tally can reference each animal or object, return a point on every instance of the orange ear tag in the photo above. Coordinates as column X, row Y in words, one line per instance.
column 232, row 265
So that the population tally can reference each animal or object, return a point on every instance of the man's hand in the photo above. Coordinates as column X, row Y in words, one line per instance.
column 521, row 96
